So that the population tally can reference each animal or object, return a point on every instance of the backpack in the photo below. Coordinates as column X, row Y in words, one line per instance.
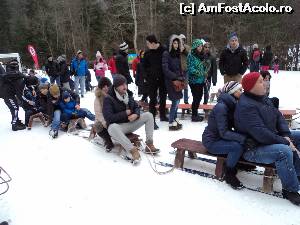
column 256, row 56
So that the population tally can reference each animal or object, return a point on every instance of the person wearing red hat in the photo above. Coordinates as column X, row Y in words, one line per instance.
column 271, row 140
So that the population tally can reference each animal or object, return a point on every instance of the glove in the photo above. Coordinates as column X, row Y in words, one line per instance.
column 250, row 144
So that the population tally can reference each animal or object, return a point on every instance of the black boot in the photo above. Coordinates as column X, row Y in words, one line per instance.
column 197, row 118
column 155, row 126
column 18, row 126
column 107, row 140
column 231, row 179
column 293, row 197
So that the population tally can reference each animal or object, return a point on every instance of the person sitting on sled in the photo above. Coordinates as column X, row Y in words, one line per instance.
column 122, row 116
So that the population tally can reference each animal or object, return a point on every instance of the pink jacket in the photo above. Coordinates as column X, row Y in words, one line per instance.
column 100, row 67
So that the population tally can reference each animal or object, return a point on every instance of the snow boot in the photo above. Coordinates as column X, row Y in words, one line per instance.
column 293, row 197
column 173, row 126
column 231, row 179
column 136, row 157
column 197, row 118
column 150, row 148
column 53, row 133
column 107, row 140
column 179, row 124
column 18, row 126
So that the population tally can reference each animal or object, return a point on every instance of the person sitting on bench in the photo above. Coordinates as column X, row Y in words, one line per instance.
column 122, row 116
column 256, row 117
column 219, row 137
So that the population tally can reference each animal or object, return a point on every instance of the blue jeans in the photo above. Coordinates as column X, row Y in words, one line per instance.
column 88, row 115
column 56, row 120
column 80, row 80
column 55, row 79
column 286, row 161
column 173, row 111
column 232, row 149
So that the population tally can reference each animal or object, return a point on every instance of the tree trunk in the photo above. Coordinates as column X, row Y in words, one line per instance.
column 133, row 11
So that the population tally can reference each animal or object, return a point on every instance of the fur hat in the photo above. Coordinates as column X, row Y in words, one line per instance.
column 182, row 36
column 54, row 90
column 249, row 80
column 123, row 46
column 119, row 80
column 231, row 87
column 104, row 81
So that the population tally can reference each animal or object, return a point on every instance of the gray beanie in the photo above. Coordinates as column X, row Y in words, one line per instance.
column 119, row 80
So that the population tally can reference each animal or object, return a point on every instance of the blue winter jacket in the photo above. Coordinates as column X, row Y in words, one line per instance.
column 79, row 67
column 256, row 116
column 221, row 122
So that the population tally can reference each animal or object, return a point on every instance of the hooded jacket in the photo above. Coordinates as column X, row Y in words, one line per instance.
column 122, row 66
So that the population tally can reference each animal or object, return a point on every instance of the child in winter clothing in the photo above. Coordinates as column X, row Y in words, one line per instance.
column 255, row 59
column 100, row 66
column 71, row 110
column 276, row 65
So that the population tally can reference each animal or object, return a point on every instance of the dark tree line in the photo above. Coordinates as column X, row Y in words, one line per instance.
column 64, row 26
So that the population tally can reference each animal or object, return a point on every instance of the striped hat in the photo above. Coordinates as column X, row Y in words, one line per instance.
column 123, row 46
column 231, row 87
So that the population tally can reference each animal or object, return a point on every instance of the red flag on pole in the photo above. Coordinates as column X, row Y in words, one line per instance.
column 33, row 55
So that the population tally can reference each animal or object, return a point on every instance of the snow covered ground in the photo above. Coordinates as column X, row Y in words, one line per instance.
column 72, row 181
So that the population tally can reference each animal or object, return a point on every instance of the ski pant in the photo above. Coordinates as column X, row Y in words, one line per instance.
column 12, row 104
column 197, row 92
column 160, row 86
column 118, row 131
column 287, row 162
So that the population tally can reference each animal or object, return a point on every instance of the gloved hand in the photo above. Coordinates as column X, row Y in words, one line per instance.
column 250, row 144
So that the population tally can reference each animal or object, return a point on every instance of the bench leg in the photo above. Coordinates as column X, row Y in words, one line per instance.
column 179, row 158
column 268, row 180
column 219, row 167
column 192, row 155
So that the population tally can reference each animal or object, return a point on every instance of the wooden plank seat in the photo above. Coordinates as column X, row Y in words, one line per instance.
column 193, row 147
column 134, row 138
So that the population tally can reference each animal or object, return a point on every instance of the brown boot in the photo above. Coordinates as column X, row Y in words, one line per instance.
column 135, row 154
column 150, row 148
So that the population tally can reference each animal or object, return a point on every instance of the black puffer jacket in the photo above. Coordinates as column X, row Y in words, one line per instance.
column 153, row 65
column 63, row 72
column 233, row 63
column 122, row 66
column 114, row 111
column 12, row 83
column 52, row 68
column 267, row 57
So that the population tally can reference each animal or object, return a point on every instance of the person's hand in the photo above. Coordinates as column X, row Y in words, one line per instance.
column 77, row 107
column 31, row 103
column 128, row 112
column 132, row 117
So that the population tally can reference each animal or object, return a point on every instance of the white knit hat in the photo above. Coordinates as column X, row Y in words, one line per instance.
column 231, row 87
column 98, row 54
column 123, row 46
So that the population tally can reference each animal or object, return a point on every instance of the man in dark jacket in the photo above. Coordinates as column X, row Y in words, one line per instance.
column 155, row 77
column 122, row 62
column 63, row 72
column 256, row 117
column 212, row 73
column 122, row 115
column 52, row 70
column 266, row 59
column 11, row 90
column 233, row 60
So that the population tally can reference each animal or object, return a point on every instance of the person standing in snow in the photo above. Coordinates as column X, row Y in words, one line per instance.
column 255, row 58
column 135, row 62
column 122, row 116
column 273, row 142
column 100, row 125
column 266, row 59
column 100, row 66
column 155, row 77
column 174, row 79
column 212, row 73
column 11, row 90
column 233, row 60
column 63, row 72
column 122, row 62
column 140, row 80
column 276, row 64
column 79, row 68
column 52, row 70
column 112, row 64
column 219, row 136
column 198, row 67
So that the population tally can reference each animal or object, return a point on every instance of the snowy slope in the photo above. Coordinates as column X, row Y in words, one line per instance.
column 72, row 181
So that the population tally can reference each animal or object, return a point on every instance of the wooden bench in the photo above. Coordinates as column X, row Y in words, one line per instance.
column 193, row 147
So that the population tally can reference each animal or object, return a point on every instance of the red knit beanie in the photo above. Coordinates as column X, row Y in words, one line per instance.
column 249, row 80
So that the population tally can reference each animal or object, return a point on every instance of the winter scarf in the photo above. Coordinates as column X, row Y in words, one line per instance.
column 124, row 98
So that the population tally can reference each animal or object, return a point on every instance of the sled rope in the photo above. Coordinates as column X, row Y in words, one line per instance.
column 3, row 181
